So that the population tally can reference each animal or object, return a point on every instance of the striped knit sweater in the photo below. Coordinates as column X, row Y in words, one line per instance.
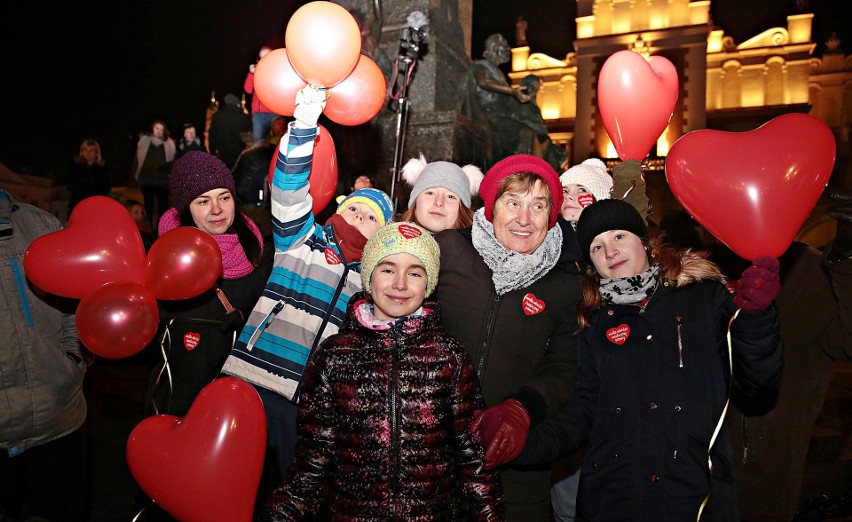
column 306, row 296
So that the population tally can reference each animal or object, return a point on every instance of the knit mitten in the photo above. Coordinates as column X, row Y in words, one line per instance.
column 310, row 102
column 759, row 285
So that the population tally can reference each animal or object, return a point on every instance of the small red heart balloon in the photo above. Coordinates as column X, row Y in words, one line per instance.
column 753, row 190
column 323, row 176
column 636, row 98
column 118, row 319
column 206, row 465
column 101, row 244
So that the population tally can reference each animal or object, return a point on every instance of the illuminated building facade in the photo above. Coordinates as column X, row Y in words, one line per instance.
column 724, row 85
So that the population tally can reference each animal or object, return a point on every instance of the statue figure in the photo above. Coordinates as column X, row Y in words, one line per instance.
column 530, row 114
column 521, row 31
column 492, row 103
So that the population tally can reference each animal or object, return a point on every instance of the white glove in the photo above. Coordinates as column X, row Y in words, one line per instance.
column 310, row 102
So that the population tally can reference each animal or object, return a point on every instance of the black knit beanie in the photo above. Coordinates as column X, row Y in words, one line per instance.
column 605, row 215
column 195, row 173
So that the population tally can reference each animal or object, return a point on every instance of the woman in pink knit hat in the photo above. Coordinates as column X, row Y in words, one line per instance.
column 197, row 334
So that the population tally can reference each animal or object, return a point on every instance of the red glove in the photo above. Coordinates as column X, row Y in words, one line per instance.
column 503, row 428
column 758, row 286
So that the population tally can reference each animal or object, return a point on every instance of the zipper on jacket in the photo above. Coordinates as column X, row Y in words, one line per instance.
column 486, row 338
column 394, row 424
column 744, row 437
column 264, row 324
column 617, row 431
column 677, row 409
column 22, row 292
column 679, row 342
column 328, row 311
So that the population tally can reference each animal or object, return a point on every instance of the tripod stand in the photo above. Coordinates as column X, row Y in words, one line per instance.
column 409, row 50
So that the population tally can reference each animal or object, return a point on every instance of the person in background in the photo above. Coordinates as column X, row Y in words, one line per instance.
column 137, row 212
column 362, row 181
column 508, row 294
column 441, row 193
column 261, row 116
column 419, row 389
column 189, row 141
column 89, row 175
column 582, row 185
column 155, row 152
column 227, row 126
column 772, row 434
column 655, row 372
column 43, row 467
column 316, row 271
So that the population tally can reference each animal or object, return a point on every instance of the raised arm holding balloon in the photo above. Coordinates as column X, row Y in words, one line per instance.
column 316, row 271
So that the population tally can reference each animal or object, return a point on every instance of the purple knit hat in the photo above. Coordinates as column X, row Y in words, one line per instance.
column 195, row 173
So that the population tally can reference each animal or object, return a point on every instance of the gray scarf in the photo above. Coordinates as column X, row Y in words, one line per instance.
column 630, row 290
column 512, row 270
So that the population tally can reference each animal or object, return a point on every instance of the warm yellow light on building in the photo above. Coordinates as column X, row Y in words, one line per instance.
column 799, row 27
column 550, row 111
column 610, row 150
column 586, row 26
column 714, row 41
column 699, row 12
column 663, row 144
column 519, row 58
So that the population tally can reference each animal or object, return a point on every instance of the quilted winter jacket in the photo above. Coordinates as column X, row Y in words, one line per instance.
column 651, row 389
column 383, row 429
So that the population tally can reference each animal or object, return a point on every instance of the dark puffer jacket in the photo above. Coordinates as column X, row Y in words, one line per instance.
column 383, row 429
column 652, row 388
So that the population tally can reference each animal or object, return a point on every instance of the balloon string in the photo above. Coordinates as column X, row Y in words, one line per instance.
column 165, row 368
column 724, row 411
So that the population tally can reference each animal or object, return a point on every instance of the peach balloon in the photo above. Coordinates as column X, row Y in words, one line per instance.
column 323, row 43
column 359, row 97
column 276, row 82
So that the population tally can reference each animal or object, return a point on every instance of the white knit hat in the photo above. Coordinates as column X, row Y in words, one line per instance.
column 591, row 174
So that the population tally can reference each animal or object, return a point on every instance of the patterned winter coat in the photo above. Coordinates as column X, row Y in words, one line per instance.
column 383, row 428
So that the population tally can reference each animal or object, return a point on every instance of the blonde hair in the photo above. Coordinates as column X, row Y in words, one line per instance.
column 93, row 144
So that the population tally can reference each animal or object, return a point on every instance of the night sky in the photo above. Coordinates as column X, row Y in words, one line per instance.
column 104, row 69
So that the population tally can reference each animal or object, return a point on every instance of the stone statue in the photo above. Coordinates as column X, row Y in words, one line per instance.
column 530, row 114
column 494, row 105
column 521, row 31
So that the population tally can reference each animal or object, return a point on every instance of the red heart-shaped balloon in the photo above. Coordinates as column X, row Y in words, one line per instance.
column 206, row 465
column 753, row 190
column 100, row 245
column 636, row 98
column 323, row 176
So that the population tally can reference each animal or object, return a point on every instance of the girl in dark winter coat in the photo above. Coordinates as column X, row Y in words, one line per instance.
column 386, row 404
column 654, row 374
column 198, row 333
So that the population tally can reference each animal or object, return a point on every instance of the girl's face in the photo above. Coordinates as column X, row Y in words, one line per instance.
column 213, row 211
column 189, row 133
column 575, row 199
column 398, row 286
column 618, row 253
column 437, row 209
